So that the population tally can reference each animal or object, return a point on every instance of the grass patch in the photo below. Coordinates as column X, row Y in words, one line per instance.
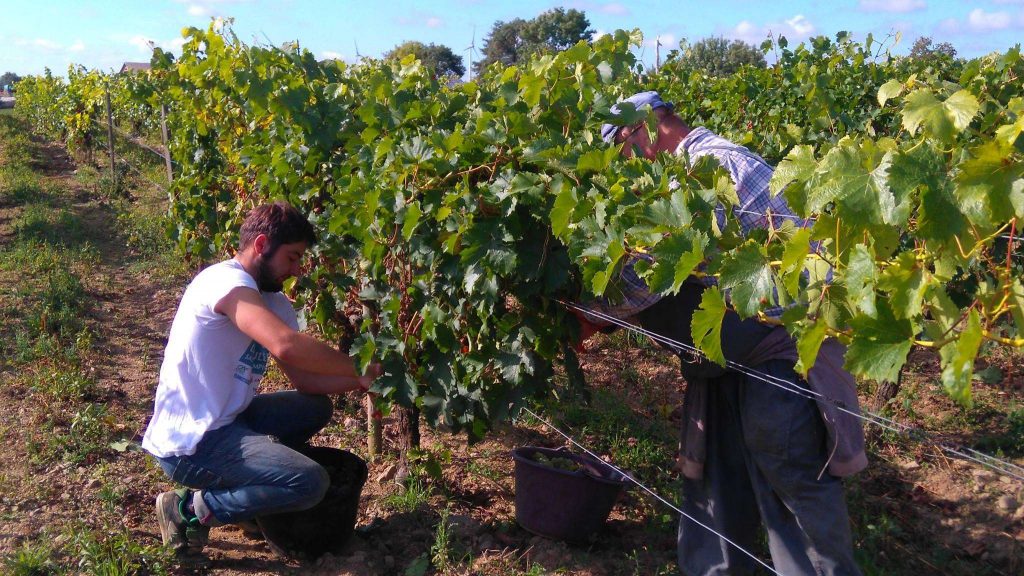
column 42, row 223
column 117, row 553
column 76, row 439
column 415, row 494
column 64, row 384
column 33, row 558
column 19, row 185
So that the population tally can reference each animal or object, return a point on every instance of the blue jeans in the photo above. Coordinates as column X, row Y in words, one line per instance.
column 766, row 451
column 247, row 469
column 766, row 456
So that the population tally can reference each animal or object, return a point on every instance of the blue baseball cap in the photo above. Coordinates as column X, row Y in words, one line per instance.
column 639, row 100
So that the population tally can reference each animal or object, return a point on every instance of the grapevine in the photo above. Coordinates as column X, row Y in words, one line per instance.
column 455, row 218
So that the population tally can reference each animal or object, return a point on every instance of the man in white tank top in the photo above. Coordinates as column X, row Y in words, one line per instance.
column 210, row 430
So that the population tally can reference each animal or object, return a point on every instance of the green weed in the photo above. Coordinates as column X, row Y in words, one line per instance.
column 117, row 554
column 1009, row 442
column 19, row 185
column 88, row 433
column 61, row 306
column 34, row 558
column 444, row 554
column 64, row 383
column 42, row 223
column 415, row 494
column 31, row 258
column 481, row 468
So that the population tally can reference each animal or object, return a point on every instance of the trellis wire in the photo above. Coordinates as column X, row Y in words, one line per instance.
column 132, row 166
column 734, row 209
column 915, row 434
column 130, row 138
column 652, row 492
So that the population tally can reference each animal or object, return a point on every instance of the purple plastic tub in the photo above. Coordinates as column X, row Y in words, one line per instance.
column 562, row 504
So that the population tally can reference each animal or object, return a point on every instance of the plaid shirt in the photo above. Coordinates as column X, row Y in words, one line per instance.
column 751, row 175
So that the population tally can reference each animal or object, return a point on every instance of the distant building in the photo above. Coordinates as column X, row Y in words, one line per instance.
column 133, row 67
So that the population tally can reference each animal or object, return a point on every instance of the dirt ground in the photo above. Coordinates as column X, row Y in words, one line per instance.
column 915, row 509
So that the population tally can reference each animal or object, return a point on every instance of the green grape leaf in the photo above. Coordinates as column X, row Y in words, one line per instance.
column 856, row 178
column 747, row 275
column 670, row 213
column 860, row 280
column 988, row 183
column 940, row 219
column 799, row 165
column 794, row 257
column 675, row 258
column 596, row 161
column 808, row 342
column 1017, row 304
column 889, row 90
column 879, row 345
column 411, row 219
column 706, row 327
column 906, row 282
column 561, row 213
column 958, row 360
column 941, row 120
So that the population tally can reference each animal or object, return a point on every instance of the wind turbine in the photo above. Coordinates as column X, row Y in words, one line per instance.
column 471, row 49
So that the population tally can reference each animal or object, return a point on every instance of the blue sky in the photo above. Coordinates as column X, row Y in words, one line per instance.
column 102, row 35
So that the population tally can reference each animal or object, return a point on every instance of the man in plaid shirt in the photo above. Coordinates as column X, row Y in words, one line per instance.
column 763, row 451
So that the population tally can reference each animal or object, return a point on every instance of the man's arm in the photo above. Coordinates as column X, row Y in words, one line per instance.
column 312, row 383
column 292, row 348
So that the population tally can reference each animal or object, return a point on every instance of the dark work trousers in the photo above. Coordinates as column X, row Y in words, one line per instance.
column 766, row 451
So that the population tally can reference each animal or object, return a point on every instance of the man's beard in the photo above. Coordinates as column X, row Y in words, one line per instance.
column 265, row 279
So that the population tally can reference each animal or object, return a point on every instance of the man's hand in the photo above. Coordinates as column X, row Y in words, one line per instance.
column 587, row 329
column 373, row 370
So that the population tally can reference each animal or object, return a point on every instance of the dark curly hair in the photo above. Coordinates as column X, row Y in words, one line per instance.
column 281, row 223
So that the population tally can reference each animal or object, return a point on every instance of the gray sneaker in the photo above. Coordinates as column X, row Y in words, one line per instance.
column 179, row 528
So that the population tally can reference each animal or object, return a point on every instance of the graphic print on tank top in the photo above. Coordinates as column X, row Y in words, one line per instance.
column 252, row 365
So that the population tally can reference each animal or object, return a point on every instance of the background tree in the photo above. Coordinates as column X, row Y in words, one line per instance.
column 8, row 79
column 720, row 57
column 515, row 41
column 923, row 48
column 436, row 57
column 939, row 59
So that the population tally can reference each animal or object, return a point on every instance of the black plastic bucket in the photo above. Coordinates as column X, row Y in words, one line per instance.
column 327, row 526
column 562, row 504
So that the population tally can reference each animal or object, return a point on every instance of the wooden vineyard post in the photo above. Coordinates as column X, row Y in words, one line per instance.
column 409, row 438
column 373, row 424
column 373, row 433
column 110, row 142
column 164, row 137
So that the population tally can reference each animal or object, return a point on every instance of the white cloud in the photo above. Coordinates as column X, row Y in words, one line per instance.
column 144, row 45
column 795, row 29
column 209, row 7
column 599, row 33
column 141, row 43
column 78, row 46
column 615, row 9
column 800, row 25
column 332, row 55
column 46, row 44
column 981, row 21
column 892, row 5
column 417, row 19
